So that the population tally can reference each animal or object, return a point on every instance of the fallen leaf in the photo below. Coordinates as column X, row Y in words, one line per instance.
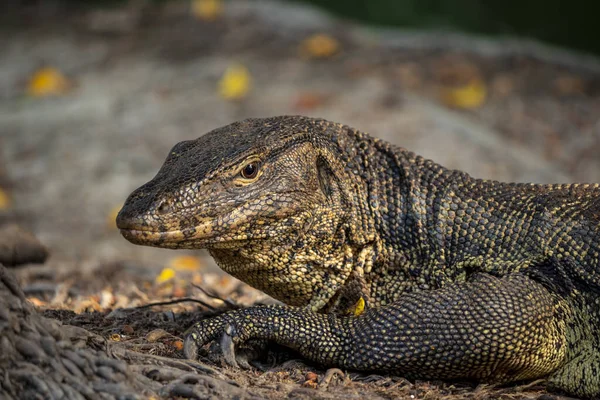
column 207, row 10
column 311, row 376
column 225, row 280
column 309, row 101
column 179, row 292
column 111, row 221
column 47, row 81
column 156, row 335
column 319, row 45
column 569, row 85
column 310, row 384
column 106, row 299
column 165, row 275
column 127, row 329
column 197, row 279
column 36, row 302
column 178, row 344
column 115, row 337
column 185, row 263
column 235, row 82
column 87, row 305
column 358, row 308
column 4, row 200
column 469, row 96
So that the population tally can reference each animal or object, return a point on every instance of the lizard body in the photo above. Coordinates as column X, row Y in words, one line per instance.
column 463, row 278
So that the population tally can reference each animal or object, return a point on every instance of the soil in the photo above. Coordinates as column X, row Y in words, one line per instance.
column 144, row 76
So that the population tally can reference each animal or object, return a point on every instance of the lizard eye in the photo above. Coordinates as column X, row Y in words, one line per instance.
column 250, row 170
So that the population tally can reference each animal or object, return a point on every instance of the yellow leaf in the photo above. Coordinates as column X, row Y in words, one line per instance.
column 320, row 46
column 4, row 200
column 357, row 308
column 165, row 275
column 111, row 221
column 185, row 263
column 207, row 10
column 469, row 96
column 235, row 82
column 115, row 337
column 47, row 81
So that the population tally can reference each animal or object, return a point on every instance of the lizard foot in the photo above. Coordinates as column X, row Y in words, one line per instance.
column 227, row 345
column 312, row 335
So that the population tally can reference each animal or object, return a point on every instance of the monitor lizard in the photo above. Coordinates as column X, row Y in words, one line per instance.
column 459, row 277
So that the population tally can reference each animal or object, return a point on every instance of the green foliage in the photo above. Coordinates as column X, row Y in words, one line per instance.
column 570, row 24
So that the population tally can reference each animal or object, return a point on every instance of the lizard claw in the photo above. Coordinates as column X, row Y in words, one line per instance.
column 228, row 347
column 229, row 338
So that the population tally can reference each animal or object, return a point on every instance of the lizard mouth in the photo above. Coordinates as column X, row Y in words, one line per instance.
column 180, row 239
column 173, row 238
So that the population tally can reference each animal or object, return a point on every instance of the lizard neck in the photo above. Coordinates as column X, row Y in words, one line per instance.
column 402, row 193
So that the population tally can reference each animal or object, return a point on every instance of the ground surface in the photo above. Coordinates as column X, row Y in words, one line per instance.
column 144, row 78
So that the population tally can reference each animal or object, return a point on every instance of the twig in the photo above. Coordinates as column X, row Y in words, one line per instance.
column 189, row 365
column 331, row 372
column 229, row 302
column 176, row 301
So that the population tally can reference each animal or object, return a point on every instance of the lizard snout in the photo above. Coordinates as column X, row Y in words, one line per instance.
column 128, row 220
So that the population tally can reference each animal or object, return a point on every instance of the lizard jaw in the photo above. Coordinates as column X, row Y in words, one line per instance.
column 190, row 238
column 169, row 238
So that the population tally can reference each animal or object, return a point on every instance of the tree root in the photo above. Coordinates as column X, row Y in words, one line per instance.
column 40, row 358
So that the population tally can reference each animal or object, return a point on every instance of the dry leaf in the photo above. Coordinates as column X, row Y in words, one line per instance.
column 185, row 263
column 569, row 85
column 47, row 81
column 197, row 279
column 156, row 335
column 235, row 82
column 115, row 337
column 225, row 280
column 309, row 101
column 311, row 376
column 4, row 200
column 127, row 329
column 469, row 96
column 106, row 299
column 37, row 302
column 178, row 344
column 311, row 384
column 165, row 275
column 207, row 10
column 179, row 292
column 87, row 305
column 319, row 45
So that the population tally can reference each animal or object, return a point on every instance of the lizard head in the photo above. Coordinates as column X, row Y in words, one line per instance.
column 263, row 195
column 239, row 183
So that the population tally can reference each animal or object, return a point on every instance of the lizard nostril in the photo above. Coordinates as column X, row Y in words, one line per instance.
column 164, row 207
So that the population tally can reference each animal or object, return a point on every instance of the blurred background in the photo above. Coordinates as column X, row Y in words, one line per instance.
column 93, row 94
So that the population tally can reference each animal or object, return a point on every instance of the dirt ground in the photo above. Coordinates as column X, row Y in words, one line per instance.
column 141, row 78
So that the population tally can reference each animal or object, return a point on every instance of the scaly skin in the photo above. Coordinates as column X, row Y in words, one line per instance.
column 463, row 278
